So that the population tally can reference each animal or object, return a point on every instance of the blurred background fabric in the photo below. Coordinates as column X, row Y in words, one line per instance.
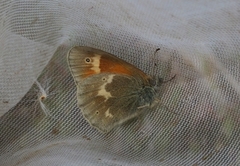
column 198, row 120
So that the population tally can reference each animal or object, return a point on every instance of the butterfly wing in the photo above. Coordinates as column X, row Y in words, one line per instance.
column 86, row 61
column 107, row 87
column 108, row 102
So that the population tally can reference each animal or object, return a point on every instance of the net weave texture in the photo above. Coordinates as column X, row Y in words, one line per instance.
column 198, row 120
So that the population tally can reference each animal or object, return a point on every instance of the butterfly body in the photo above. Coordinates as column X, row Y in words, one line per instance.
column 110, row 91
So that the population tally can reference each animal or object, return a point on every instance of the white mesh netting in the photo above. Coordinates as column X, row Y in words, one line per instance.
column 199, row 41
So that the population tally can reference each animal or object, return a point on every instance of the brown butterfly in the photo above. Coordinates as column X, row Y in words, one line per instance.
column 110, row 91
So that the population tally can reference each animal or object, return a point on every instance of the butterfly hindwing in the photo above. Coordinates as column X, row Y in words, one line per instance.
column 110, row 101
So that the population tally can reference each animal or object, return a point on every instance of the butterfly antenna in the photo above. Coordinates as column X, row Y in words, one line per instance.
column 154, row 63
column 169, row 79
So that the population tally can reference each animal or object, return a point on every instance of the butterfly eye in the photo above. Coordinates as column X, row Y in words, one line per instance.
column 97, row 112
column 88, row 60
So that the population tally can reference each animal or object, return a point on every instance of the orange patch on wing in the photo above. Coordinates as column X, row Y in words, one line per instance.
column 116, row 69
column 114, row 66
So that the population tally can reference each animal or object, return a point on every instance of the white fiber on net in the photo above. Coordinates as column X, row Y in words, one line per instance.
column 198, row 121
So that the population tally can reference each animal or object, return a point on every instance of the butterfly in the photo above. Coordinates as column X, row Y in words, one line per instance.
column 110, row 91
